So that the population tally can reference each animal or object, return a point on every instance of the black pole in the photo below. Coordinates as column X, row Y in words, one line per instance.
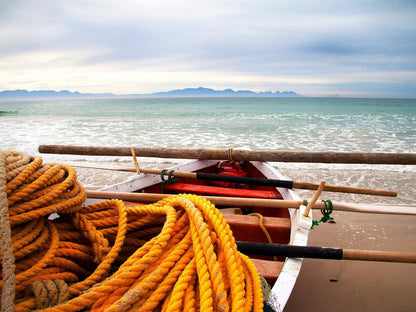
column 291, row 251
column 245, row 180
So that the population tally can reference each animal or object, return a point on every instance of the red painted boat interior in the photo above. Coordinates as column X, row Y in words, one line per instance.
column 245, row 227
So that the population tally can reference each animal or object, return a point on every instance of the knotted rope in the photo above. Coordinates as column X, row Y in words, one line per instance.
column 175, row 255
column 326, row 214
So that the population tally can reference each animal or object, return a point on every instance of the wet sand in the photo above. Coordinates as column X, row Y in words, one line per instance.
column 332, row 285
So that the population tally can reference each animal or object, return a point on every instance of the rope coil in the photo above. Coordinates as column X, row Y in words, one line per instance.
column 326, row 213
column 175, row 255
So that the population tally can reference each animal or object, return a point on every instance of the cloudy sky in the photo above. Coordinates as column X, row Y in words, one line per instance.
column 316, row 48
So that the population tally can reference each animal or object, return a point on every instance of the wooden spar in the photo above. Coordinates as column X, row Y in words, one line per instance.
column 375, row 255
column 314, row 198
column 260, row 181
column 266, row 249
column 259, row 202
column 343, row 189
column 240, row 155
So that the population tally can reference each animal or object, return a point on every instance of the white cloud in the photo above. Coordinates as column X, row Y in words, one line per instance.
column 159, row 45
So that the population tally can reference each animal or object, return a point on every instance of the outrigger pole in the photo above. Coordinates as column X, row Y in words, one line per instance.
column 238, row 155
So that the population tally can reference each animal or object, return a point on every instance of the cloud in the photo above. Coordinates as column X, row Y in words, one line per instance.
column 194, row 41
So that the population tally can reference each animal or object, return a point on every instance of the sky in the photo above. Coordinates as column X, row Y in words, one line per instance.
column 316, row 48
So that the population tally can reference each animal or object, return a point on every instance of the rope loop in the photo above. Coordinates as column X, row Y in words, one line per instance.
column 263, row 229
column 326, row 213
column 170, row 180
column 49, row 293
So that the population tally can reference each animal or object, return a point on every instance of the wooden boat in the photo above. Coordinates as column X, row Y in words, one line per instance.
column 178, row 243
column 285, row 226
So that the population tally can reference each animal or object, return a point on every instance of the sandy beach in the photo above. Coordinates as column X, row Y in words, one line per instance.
column 332, row 285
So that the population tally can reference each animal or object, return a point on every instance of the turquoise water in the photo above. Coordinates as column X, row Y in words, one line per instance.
column 305, row 124
column 319, row 124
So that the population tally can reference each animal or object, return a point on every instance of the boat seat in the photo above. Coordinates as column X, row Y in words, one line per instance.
column 219, row 191
column 270, row 270
column 247, row 228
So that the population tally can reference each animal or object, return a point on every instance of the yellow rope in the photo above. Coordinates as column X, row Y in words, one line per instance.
column 178, row 254
column 263, row 229
column 230, row 154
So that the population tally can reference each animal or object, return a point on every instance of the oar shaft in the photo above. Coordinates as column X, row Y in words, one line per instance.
column 291, row 251
column 176, row 174
column 265, row 249
column 257, row 202
column 216, row 200
column 277, row 156
column 262, row 182
column 273, row 183
column 373, row 255
column 343, row 189
column 244, row 180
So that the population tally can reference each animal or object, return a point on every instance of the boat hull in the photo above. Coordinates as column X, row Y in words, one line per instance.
column 285, row 226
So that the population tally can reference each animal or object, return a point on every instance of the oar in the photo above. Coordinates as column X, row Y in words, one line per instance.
column 259, row 202
column 291, row 251
column 258, row 181
column 231, row 154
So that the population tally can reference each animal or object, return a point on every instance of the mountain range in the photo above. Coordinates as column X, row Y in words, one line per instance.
column 188, row 92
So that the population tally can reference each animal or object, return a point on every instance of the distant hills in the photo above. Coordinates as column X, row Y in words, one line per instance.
column 24, row 94
column 195, row 92
column 188, row 92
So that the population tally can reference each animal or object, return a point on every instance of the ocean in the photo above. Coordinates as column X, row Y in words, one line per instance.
column 298, row 124
column 321, row 124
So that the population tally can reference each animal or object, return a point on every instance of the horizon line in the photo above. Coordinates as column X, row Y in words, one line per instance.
column 232, row 93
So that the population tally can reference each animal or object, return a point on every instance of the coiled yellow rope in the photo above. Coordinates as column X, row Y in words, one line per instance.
column 178, row 254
